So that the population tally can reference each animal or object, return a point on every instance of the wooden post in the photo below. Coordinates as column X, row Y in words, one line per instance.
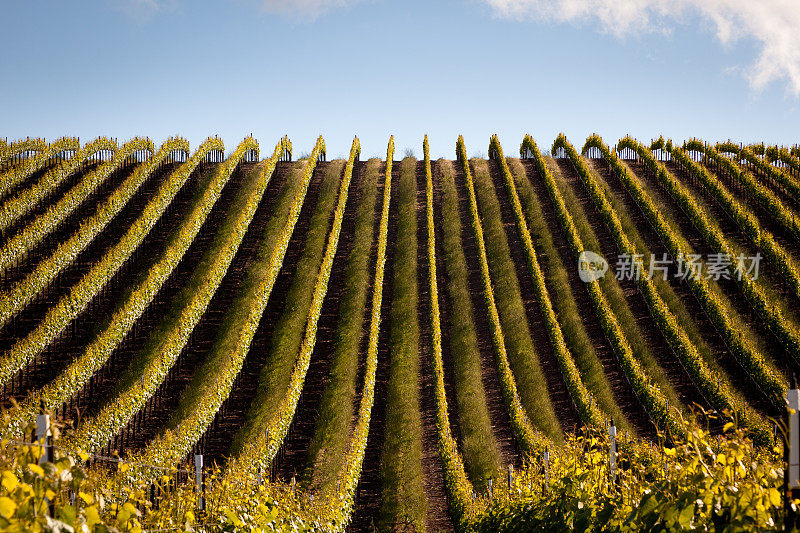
column 547, row 467
column 791, row 452
column 199, row 482
column 612, row 452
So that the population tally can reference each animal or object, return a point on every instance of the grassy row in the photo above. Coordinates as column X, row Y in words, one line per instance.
column 133, row 303
column 342, row 501
column 767, row 199
column 332, row 432
column 477, row 439
column 650, row 393
column 18, row 174
column 293, row 338
column 587, row 410
column 479, row 447
column 763, row 374
column 150, row 366
column 538, row 405
column 212, row 382
column 18, row 206
column 714, row 386
column 563, row 301
column 23, row 292
column 402, row 495
column 523, row 355
column 14, row 249
column 791, row 186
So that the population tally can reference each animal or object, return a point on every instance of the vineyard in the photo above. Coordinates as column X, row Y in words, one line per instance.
column 226, row 338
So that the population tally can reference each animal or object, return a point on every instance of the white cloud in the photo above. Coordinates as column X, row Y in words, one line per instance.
column 303, row 8
column 773, row 24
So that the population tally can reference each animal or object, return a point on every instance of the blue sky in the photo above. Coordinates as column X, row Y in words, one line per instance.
column 378, row 67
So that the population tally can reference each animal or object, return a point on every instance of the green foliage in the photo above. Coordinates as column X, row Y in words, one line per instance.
column 531, row 441
column 111, row 332
column 570, row 318
column 701, row 483
column 588, row 410
column 46, row 152
column 712, row 385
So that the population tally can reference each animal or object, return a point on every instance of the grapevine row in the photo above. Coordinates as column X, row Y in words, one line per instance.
column 18, row 206
column 762, row 373
column 10, row 151
column 588, row 410
column 716, row 389
column 259, row 451
column 768, row 200
column 15, row 249
column 13, row 177
column 771, row 172
column 650, row 395
column 169, row 338
column 25, row 290
column 531, row 442
column 79, row 296
column 213, row 381
column 710, row 231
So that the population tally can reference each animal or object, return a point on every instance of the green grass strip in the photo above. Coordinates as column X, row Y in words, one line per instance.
column 540, row 408
column 331, row 437
column 402, row 494
column 581, row 398
column 478, row 445
column 343, row 500
column 563, row 300
column 294, row 336
column 477, row 441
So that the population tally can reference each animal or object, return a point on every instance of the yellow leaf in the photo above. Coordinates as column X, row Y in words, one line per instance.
column 124, row 467
column 84, row 456
column 92, row 516
column 36, row 469
column 50, row 494
column 727, row 426
column 87, row 498
column 669, row 451
column 774, row 497
column 10, row 480
column 7, row 507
